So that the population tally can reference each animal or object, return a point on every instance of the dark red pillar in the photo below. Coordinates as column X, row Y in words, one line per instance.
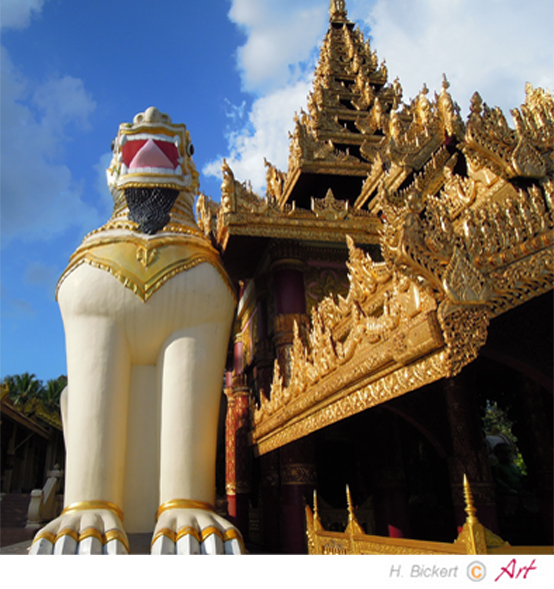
column 298, row 481
column 238, row 454
column 297, row 471
column 237, row 472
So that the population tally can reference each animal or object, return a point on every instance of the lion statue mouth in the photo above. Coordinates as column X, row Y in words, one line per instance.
column 150, row 207
column 152, row 152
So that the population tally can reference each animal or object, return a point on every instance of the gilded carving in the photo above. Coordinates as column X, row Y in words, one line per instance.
column 524, row 152
column 329, row 207
column 463, row 213
column 206, row 214
column 447, row 272
column 298, row 474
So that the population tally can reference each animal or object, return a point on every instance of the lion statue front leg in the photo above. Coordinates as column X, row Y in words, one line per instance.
column 147, row 311
column 186, row 519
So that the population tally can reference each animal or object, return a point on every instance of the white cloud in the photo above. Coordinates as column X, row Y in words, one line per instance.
column 490, row 46
column 265, row 135
column 40, row 197
column 64, row 101
column 282, row 36
column 16, row 14
column 276, row 65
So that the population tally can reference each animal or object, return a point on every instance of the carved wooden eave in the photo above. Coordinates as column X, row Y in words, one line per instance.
column 461, row 245
column 244, row 213
column 32, row 414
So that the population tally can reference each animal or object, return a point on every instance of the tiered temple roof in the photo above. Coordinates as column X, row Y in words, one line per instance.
column 336, row 143
column 461, row 215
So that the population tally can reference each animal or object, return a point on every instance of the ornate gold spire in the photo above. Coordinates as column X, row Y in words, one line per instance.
column 344, row 128
column 470, row 507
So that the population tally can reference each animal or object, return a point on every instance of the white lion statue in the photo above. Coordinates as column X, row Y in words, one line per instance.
column 147, row 310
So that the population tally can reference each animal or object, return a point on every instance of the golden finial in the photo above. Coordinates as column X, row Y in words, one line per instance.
column 349, row 501
column 337, row 8
column 470, row 507
column 317, row 522
column 353, row 525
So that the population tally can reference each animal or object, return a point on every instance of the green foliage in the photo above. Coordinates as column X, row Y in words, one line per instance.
column 496, row 423
column 26, row 387
column 50, row 394
column 22, row 388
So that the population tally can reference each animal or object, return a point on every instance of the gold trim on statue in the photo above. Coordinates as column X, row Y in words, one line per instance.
column 68, row 532
column 46, row 536
column 206, row 532
column 84, row 505
column 232, row 534
column 91, row 533
column 183, row 504
column 111, row 535
column 186, row 531
column 164, row 532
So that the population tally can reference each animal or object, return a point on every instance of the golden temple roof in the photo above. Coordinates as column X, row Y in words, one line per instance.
column 462, row 213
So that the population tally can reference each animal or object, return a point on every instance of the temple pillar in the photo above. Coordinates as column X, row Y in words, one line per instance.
column 237, row 471
column 230, row 488
column 264, row 347
column 290, row 301
column 237, row 452
column 297, row 470
column 298, row 481
column 469, row 455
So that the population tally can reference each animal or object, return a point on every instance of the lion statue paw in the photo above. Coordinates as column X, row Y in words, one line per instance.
column 94, row 528
column 181, row 529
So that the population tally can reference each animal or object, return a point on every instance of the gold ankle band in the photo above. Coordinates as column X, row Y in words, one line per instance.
column 183, row 504
column 82, row 505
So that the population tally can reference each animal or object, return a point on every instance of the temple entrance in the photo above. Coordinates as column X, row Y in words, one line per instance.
column 398, row 478
column 512, row 379
column 517, row 430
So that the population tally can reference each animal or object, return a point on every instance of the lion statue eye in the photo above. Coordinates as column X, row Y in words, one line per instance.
column 190, row 149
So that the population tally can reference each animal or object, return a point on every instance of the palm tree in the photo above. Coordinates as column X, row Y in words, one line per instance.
column 23, row 387
column 50, row 394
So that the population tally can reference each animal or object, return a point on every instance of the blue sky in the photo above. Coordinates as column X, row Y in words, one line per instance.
column 234, row 71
